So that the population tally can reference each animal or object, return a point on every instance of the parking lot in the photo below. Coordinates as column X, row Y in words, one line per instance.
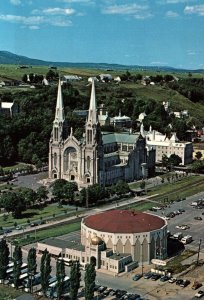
column 186, row 218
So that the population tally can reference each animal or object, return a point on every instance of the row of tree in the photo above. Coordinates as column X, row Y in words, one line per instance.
column 45, row 271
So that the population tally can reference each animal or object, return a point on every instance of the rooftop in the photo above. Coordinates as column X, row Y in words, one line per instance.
column 124, row 221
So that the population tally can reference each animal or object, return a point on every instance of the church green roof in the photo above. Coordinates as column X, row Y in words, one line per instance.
column 126, row 138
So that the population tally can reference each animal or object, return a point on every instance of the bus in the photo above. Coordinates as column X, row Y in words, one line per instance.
column 36, row 279
column 22, row 277
column 67, row 262
column 9, row 272
column 52, row 289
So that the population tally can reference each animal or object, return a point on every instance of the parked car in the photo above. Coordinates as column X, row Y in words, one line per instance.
column 164, row 278
column 101, row 289
column 178, row 235
column 137, row 277
column 33, row 224
column 148, row 275
column 196, row 285
column 107, row 292
column 198, row 218
column 199, row 294
column 19, row 227
column 184, row 227
column 185, row 283
column 155, row 277
column 172, row 280
column 112, row 293
column 179, row 281
column 6, row 231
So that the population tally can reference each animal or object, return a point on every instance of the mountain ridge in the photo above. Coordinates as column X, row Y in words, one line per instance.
column 7, row 57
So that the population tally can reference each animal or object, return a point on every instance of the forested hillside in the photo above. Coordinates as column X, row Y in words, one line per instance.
column 25, row 137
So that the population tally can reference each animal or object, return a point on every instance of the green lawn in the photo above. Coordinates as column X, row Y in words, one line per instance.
column 176, row 263
column 185, row 187
column 50, row 211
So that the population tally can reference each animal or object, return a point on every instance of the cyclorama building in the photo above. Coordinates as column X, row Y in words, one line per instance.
column 115, row 240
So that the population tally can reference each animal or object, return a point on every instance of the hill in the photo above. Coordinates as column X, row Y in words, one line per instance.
column 7, row 57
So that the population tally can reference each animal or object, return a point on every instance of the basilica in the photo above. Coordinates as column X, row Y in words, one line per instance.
column 99, row 157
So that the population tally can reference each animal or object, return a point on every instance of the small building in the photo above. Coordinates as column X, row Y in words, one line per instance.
column 105, row 77
column 9, row 108
column 165, row 146
column 67, row 78
column 121, row 121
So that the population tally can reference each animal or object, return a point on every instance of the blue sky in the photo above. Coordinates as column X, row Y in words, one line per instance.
column 140, row 32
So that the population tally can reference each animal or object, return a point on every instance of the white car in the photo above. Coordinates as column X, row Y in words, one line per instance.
column 172, row 280
column 179, row 226
column 199, row 294
column 184, row 227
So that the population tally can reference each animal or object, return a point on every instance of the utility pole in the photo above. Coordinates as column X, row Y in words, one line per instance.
column 199, row 252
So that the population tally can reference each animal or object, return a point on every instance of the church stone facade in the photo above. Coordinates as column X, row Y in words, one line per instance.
column 100, row 157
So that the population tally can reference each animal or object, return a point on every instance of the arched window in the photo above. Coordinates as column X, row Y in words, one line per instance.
column 88, row 162
column 55, row 159
column 55, row 133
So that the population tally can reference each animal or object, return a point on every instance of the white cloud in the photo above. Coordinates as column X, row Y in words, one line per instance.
column 54, row 11
column 173, row 1
column 15, row 2
column 135, row 10
column 34, row 21
column 77, row 1
column 196, row 9
column 23, row 20
column 172, row 14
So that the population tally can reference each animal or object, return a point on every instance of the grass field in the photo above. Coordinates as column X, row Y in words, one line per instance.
column 186, row 187
column 52, row 211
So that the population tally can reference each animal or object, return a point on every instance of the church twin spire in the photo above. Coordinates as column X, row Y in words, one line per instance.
column 92, row 115
column 59, row 112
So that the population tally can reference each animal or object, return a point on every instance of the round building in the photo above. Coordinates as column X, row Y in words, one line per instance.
column 124, row 233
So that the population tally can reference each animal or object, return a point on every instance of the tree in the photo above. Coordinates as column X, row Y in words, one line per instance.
column 32, row 264
column 45, row 270
column 4, row 258
column 142, row 184
column 75, row 277
column 42, row 193
column 13, row 202
column 60, row 274
column 17, row 260
column 174, row 160
column 198, row 155
column 62, row 189
column 89, row 279
column 24, row 78
column 29, row 196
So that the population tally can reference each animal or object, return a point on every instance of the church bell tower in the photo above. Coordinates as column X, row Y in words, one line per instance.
column 56, row 141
